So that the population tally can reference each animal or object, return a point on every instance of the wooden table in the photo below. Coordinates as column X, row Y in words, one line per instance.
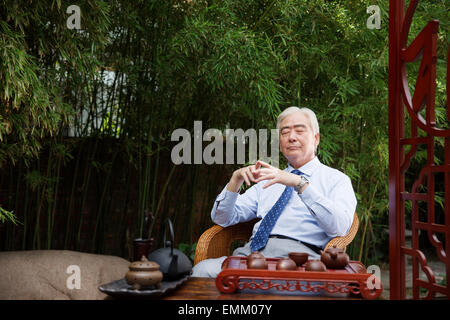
column 205, row 289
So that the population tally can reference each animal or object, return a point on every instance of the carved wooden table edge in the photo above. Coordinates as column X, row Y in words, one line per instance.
column 205, row 289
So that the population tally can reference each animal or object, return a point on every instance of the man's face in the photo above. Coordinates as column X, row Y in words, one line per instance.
column 297, row 141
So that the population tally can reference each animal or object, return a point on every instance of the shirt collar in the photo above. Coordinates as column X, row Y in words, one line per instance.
column 308, row 168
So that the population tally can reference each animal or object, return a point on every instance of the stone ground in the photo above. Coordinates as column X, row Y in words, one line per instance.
column 438, row 269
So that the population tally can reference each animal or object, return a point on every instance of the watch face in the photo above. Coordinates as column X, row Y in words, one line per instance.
column 301, row 184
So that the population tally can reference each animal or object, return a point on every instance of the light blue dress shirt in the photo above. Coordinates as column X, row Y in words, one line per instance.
column 323, row 211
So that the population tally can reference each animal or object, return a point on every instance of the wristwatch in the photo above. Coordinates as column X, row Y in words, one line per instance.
column 302, row 182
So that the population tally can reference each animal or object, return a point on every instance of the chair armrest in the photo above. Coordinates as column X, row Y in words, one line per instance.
column 216, row 241
column 342, row 242
column 201, row 250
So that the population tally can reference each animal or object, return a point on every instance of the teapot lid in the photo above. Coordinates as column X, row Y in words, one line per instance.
column 334, row 249
column 144, row 265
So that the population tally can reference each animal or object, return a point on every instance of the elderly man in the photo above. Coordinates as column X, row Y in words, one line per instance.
column 301, row 207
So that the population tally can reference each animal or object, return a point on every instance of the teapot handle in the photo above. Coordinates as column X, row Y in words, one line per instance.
column 169, row 223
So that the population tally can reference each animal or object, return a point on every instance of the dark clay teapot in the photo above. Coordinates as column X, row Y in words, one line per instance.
column 286, row 264
column 256, row 261
column 173, row 263
column 334, row 258
column 315, row 265
column 255, row 255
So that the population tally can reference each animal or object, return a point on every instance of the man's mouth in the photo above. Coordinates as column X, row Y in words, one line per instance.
column 293, row 147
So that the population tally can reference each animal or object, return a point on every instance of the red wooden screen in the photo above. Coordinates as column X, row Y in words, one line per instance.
column 403, row 146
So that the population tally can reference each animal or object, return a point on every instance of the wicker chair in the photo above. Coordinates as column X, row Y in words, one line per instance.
column 216, row 241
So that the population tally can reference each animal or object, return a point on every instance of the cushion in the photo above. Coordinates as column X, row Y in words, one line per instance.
column 57, row 274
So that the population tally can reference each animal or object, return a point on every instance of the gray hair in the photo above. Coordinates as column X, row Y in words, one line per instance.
column 306, row 111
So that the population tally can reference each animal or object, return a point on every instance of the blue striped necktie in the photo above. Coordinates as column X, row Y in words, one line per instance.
column 262, row 235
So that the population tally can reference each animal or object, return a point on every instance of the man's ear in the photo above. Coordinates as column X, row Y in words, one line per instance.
column 317, row 139
column 316, row 142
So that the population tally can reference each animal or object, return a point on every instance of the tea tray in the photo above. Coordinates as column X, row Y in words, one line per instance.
column 352, row 280
column 121, row 289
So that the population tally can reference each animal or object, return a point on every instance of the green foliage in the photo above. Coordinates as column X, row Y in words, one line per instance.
column 188, row 250
column 7, row 216
column 41, row 61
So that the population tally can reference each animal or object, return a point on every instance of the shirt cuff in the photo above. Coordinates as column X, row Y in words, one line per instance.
column 225, row 194
column 224, row 207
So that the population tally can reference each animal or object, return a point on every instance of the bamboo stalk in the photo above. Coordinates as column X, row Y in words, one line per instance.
column 140, row 213
column 367, row 221
column 47, row 196
column 106, row 188
column 120, row 230
column 41, row 199
column 52, row 206
column 362, row 241
column 182, row 194
column 12, row 237
column 155, row 177
column 161, row 197
column 194, row 192
column 104, row 200
column 261, row 18
column 72, row 193
column 86, row 181
column 147, row 173
column 25, row 211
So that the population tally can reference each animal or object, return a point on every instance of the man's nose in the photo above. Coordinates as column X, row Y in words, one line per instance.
column 292, row 136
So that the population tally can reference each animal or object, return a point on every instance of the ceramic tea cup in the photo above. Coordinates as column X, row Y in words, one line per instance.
column 299, row 257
